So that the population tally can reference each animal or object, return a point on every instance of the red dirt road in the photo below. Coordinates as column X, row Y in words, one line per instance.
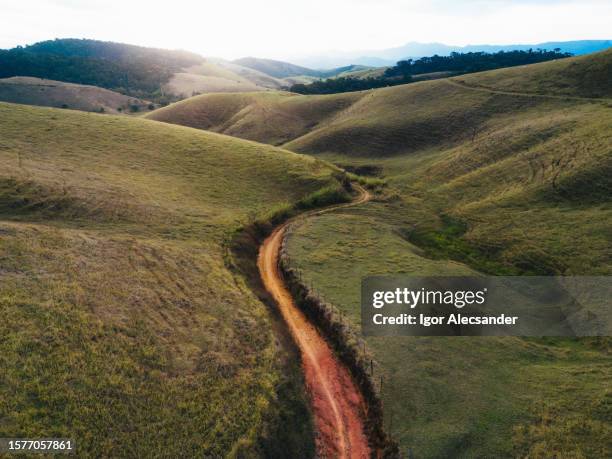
column 337, row 403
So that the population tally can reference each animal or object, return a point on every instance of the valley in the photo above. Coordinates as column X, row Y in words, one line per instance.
column 139, row 255
column 502, row 172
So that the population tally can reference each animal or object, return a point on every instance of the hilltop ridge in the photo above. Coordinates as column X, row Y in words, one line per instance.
column 394, row 120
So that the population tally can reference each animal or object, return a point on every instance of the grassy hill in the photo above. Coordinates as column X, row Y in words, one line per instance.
column 585, row 76
column 158, row 74
column 502, row 172
column 271, row 117
column 361, row 71
column 488, row 181
column 393, row 120
column 497, row 183
column 130, row 333
column 49, row 93
column 220, row 76
column 277, row 69
column 459, row 149
column 128, row 69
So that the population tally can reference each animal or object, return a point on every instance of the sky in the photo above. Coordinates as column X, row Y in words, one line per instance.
column 284, row 29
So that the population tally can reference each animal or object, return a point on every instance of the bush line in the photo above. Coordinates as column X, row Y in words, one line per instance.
column 241, row 252
column 346, row 344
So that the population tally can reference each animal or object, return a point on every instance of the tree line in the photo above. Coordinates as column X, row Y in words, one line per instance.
column 405, row 71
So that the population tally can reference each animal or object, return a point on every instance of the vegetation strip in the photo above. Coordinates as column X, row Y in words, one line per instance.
column 338, row 405
column 241, row 256
column 349, row 348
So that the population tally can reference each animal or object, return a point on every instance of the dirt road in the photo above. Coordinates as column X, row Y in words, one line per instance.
column 337, row 403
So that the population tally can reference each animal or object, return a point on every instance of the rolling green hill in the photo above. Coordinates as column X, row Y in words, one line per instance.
column 501, row 172
column 393, row 120
column 272, row 117
column 123, row 326
column 496, row 182
column 157, row 74
column 49, row 93
column 454, row 142
column 499, row 182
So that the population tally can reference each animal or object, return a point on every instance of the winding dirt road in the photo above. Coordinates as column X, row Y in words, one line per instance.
column 337, row 403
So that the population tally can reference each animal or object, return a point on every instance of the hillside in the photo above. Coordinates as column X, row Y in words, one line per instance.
column 502, row 172
column 128, row 69
column 499, row 183
column 293, row 74
column 585, row 76
column 462, row 139
column 49, row 93
column 428, row 68
column 272, row 117
column 277, row 69
column 361, row 71
column 220, row 76
column 157, row 74
column 391, row 118
column 116, row 297
column 207, row 78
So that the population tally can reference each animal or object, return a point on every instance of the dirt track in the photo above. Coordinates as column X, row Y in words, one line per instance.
column 337, row 403
column 464, row 85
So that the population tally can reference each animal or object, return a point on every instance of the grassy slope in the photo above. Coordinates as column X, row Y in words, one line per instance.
column 532, row 192
column 255, row 76
column 209, row 77
column 219, row 76
column 272, row 117
column 277, row 69
column 500, row 182
column 122, row 326
column 479, row 155
column 393, row 120
column 584, row 76
column 49, row 93
column 455, row 397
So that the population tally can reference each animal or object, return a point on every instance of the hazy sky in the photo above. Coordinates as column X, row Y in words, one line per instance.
column 289, row 28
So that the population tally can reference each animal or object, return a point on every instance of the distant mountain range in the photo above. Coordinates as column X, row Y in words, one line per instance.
column 390, row 56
